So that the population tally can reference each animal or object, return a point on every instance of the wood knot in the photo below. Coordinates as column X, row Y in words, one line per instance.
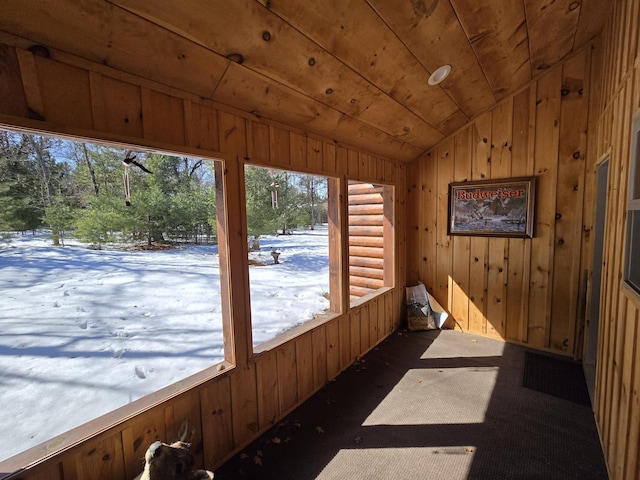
column 40, row 51
column 235, row 57
column 136, row 443
column 420, row 8
column 576, row 155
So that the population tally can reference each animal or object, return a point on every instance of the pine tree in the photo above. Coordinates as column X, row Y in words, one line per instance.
column 66, row 184
column 19, row 206
column 260, row 191
column 59, row 216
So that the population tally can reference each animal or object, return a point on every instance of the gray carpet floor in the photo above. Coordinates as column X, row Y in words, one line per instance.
column 429, row 405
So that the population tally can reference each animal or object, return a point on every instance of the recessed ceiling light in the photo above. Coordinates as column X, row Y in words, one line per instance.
column 439, row 75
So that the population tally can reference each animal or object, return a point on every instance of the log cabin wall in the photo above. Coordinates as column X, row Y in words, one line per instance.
column 617, row 402
column 366, row 239
column 62, row 94
column 526, row 291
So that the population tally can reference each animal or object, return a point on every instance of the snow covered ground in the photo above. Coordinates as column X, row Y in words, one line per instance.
column 84, row 331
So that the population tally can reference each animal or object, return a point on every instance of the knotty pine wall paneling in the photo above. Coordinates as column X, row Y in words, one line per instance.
column 501, row 146
column 522, row 290
column 569, row 203
column 518, row 271
column 562, row 125
column 443, row 258
column 617, row 402
column 68, row 96
column 462, row 246
column 480, row 165
column 547, row 138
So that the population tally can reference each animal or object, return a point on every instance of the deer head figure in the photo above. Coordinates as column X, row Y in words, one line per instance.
column 172, row 461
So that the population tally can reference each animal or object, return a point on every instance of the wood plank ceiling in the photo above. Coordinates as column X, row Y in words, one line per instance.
column 354, row 71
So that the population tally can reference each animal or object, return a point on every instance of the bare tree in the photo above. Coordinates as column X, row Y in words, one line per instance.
column 92, row 172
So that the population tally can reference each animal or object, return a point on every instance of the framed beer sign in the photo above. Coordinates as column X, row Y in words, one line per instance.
column 496, row 208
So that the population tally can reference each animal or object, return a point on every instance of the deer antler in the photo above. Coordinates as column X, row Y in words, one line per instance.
column 184, row 433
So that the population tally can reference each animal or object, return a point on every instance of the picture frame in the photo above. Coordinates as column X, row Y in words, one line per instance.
column 492, row 208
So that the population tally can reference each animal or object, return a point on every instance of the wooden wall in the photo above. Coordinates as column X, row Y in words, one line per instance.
column 366, row 238
column 526, row 291
column 537, row 292
column 617, row 404
column 54, row 92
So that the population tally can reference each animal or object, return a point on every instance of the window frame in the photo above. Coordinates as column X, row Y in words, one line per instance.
column 632, row 250
column 389, row 241
column 335, row 255
column 56, row 444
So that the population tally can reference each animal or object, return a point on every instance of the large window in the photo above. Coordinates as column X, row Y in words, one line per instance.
column 287, row 223
column 109, row 279
column 110, row 276
column 632, row 263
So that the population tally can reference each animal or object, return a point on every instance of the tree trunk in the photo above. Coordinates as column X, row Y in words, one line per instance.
column 92, row 173
column 39, row 147
column 313, row 203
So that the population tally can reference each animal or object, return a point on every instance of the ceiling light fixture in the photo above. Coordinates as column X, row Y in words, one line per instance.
column 439, row 75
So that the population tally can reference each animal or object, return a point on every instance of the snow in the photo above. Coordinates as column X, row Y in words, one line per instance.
column 85, row 331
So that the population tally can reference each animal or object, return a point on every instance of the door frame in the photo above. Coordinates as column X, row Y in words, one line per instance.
column 593, row 314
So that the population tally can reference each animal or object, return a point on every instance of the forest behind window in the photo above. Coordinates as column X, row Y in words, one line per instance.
column 288, row 243
column 109, row 279
column 104, row 193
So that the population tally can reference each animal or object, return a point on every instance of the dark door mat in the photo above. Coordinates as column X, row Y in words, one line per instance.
column 558, row 377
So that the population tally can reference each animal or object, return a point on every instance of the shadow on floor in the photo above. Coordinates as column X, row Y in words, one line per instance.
column 433, row 405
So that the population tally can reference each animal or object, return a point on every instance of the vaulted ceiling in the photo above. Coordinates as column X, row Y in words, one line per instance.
column 355, row 71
